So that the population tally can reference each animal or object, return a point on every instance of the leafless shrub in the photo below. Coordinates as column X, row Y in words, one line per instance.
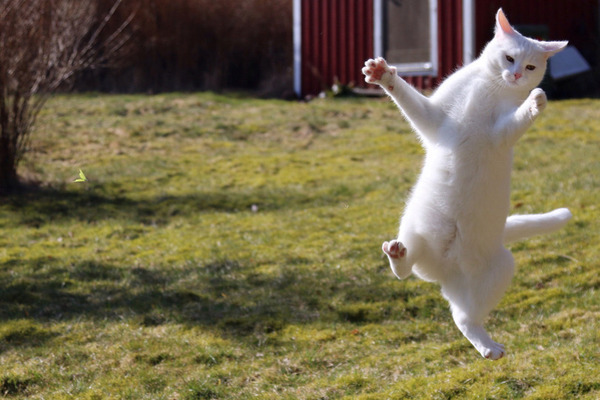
column 43, row 43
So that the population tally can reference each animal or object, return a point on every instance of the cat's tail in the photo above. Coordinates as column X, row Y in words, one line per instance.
column 523, row 226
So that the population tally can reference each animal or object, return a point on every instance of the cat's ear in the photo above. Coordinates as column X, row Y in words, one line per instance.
column 502, row 25
column 551, row 48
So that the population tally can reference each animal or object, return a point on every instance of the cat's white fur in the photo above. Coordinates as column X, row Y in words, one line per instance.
column 455, row 224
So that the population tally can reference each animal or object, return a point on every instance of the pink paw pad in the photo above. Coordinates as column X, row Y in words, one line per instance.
column 375, row 69
column 394, row 249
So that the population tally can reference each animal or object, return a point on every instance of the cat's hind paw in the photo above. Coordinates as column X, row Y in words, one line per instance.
column 377, row 71
column 394, row 249
column 396, row 253
column 494, row 352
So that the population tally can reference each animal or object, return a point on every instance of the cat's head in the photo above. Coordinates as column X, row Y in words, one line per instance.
column 518, row 62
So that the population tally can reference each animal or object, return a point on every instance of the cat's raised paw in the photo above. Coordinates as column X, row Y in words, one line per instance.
column 537, row 101
column 377, row 71
column 394, row 249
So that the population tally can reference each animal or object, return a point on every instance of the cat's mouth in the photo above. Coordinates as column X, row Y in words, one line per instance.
column 511, row 80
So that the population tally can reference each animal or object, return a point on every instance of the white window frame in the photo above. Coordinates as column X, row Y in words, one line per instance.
column 429, row 68
column 468, row 31
column 298, row 47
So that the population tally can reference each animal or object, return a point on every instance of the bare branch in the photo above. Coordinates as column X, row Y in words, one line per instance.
column 43, row 44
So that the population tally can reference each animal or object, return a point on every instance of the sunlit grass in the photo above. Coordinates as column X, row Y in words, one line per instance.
column 227, row 247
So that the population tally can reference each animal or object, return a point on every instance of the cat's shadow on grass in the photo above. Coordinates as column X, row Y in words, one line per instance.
column 49, row 291
column 211, row 295
column 231, row 297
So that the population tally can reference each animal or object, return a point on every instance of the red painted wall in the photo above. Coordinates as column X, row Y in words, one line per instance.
column 337, row 38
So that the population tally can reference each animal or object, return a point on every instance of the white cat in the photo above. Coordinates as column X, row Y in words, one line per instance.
column 455, row 223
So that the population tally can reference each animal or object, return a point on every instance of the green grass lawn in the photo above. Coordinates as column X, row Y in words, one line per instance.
column 229, row 248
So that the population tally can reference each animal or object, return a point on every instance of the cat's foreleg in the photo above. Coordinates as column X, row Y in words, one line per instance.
column 513, row 126
column 536, row 103
column 416, row 107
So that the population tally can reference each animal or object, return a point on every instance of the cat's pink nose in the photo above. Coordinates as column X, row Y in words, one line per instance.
column 517, row 76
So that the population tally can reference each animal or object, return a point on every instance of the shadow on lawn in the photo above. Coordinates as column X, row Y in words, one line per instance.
column 222, row 295
column 231, row 297
column 43, row 206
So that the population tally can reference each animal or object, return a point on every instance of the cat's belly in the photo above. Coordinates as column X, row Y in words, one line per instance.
column 462, row 204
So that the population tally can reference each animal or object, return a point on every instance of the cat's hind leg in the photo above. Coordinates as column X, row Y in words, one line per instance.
column 474, row 294
column 477, row 335
column 406, row 250
column 397, row 256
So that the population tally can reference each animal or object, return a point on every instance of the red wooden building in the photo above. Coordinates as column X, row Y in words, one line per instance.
column 425, row 39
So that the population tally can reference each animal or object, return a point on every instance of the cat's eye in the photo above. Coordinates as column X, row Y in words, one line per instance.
column 530, row 67
column 510, row 59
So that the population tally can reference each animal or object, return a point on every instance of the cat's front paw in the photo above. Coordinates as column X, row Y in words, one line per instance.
column 537, row 102
column 379, row 72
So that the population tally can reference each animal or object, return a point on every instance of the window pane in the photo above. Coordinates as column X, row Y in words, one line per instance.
column 407, row 31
